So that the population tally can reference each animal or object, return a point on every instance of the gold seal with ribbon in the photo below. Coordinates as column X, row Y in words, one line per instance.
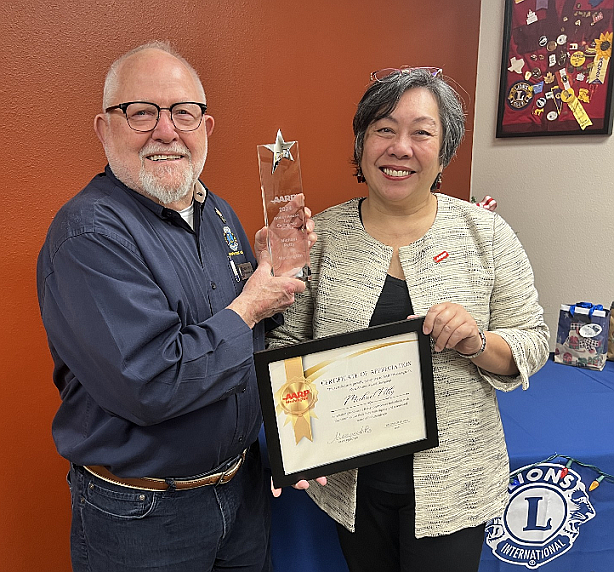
column 297, row 399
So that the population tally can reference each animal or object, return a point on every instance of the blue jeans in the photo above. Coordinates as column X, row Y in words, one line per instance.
column 217, row 527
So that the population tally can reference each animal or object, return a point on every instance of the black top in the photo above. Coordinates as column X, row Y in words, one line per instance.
column 395, row 475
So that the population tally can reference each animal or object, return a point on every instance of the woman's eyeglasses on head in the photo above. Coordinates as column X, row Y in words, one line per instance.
column 382, row 74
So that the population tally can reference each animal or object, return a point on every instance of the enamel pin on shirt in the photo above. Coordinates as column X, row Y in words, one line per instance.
column 241, row 271
column 219, row 213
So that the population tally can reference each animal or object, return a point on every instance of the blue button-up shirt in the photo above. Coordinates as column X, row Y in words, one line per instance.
column 156, row 376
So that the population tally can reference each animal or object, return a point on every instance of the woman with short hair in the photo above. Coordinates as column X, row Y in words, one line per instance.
column 406, row 250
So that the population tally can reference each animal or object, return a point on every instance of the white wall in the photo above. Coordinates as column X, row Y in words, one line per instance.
column 556, row 192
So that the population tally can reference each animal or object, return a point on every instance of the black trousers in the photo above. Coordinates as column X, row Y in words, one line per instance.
column 384, row 539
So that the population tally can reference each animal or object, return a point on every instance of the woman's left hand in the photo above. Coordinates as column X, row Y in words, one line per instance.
column 452, row 327
column 301, row 486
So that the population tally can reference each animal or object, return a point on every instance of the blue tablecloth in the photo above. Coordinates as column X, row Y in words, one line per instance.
column 568, row 411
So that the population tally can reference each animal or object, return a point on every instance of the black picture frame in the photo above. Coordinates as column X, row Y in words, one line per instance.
column 373, row 339
column 546, row 84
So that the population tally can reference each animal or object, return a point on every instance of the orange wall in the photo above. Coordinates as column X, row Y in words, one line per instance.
column 298, row 66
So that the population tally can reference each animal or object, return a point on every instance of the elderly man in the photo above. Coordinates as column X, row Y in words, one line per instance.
column 153, row 307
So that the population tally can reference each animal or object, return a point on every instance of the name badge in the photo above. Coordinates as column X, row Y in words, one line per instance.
column 245, row 270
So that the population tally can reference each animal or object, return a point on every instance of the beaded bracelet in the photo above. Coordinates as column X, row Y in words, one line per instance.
column 480, row 351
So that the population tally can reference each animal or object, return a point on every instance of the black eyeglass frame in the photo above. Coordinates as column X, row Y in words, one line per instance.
column 124, row 106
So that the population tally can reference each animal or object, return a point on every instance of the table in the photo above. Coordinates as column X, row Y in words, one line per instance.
column 568, row 411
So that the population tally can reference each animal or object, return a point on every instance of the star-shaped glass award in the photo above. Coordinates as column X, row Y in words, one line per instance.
column 284, row 207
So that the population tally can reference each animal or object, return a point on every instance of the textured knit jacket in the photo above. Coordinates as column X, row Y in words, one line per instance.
column 462, row 482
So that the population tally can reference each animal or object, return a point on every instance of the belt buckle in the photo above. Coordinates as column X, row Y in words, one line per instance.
column 232, row 468
column 225, row 472
column 222, row 475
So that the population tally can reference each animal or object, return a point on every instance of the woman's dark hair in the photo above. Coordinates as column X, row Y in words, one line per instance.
column 382, row 97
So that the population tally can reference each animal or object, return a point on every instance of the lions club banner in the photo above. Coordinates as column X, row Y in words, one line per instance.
column 548, row 506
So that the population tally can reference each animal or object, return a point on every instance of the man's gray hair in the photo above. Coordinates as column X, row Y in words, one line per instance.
column 382, row 97
column 111, row 82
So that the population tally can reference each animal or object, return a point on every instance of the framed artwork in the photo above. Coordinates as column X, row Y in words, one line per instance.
column 346, row 401
column 555, row 74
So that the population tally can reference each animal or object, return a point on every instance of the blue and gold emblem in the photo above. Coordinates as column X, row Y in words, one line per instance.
column 231, row 239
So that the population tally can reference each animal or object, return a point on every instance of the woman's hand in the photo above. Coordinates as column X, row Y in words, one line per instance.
column 452, row 327
column 301, row 485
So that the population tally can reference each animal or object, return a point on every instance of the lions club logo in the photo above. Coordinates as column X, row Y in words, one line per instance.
column 520, row 95
column 543, row 516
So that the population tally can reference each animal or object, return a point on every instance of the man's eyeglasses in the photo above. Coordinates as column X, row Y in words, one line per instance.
column 382, row 74
column 143, row 116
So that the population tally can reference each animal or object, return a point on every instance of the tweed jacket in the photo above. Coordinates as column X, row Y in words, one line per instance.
column 462, row 482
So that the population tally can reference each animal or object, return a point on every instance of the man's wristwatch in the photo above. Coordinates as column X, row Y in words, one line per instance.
column 480, row 351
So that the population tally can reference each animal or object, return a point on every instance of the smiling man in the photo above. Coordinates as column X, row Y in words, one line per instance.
column 166, row 163
column 153, row 306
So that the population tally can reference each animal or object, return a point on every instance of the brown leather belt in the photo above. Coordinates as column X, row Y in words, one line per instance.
column 151, row 484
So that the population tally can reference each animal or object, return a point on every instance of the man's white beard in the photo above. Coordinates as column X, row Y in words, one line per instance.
column 152, row 186
column 181, row 183
column 164, row 192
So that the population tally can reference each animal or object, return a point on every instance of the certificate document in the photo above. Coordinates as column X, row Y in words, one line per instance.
column 347, row 401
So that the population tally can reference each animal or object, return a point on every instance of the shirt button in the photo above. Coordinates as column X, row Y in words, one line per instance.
column 213, row 285
column 240, row 439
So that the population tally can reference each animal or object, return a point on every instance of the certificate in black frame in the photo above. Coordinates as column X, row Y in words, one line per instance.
column 555, row 76
column 379, row 336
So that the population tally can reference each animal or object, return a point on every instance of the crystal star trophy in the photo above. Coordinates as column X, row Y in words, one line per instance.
column 284, row 208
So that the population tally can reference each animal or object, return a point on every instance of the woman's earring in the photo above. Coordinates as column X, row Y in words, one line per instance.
column 436, row 183
column 359, row 176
